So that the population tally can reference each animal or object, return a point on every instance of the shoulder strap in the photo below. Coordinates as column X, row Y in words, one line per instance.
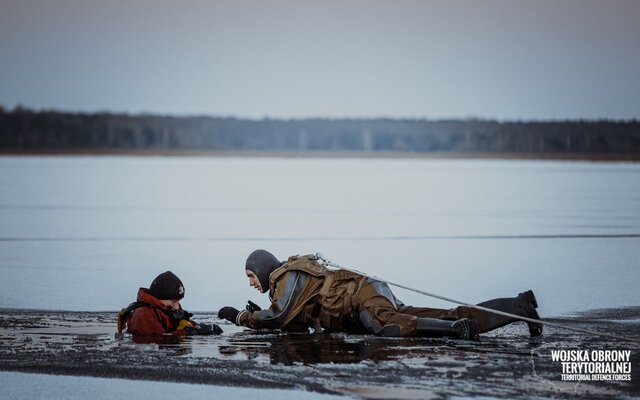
column 125, row 312
column 307, row 264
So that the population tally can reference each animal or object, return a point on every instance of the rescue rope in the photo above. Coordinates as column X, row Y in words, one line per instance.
column 329, row 263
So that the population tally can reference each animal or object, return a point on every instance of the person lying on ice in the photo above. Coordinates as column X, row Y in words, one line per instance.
column 304, row 294
column 158, row 311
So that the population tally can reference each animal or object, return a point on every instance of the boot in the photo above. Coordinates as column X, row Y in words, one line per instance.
column 464, row 328
column 524, row 305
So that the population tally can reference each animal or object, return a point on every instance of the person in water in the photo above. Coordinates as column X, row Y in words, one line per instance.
column 157, row 311
column 305, row 294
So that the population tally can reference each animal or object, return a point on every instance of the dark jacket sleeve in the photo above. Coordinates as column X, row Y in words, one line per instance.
column 285, row 299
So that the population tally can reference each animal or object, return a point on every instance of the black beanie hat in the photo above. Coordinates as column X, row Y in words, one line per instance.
column 167, row 286
column 262, row 263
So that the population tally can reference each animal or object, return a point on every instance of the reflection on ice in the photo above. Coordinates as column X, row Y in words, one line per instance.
column 507, row 363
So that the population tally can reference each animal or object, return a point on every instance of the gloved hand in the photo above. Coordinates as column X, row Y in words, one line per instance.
column 252, row 307
column 184, row 325
column 208, row 329
column 178, row 315
column 228, row 313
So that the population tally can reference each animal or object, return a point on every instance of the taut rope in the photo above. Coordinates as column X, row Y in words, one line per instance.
column 328, row 263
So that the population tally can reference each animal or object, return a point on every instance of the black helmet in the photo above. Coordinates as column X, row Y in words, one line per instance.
column 262, row 263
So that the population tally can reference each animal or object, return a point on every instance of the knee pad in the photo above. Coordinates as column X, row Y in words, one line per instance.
column 369, row 323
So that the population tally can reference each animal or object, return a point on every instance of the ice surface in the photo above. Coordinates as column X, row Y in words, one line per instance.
column 83, row 233
column 16, row 385
column 504, row 363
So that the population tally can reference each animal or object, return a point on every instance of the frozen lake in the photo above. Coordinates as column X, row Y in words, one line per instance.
column 15, row 385
column 83, row 233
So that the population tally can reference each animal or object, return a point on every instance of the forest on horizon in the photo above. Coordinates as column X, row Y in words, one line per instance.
column 25, row 130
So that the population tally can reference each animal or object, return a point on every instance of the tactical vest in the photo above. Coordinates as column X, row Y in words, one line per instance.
column 334, row 300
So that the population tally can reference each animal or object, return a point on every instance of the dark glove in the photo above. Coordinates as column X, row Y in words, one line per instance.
column 179, row 315
column 228, row 313
column 208, row 329
column 252, row 307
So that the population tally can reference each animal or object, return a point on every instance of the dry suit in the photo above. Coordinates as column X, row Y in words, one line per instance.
column 304, row 294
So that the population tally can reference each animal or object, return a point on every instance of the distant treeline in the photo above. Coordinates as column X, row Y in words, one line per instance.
column 24, row 130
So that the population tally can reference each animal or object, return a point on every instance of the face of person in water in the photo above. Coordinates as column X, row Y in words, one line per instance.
column 172, row 304
column 253, row 280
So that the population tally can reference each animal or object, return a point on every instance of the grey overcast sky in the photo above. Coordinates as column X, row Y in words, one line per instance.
column 503, row 59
